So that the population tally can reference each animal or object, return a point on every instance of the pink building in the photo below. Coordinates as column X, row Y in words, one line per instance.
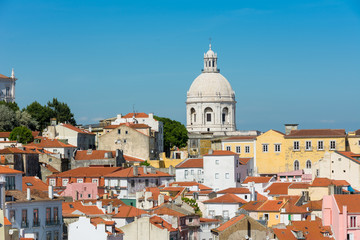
column 342, row 213
column 81, row 191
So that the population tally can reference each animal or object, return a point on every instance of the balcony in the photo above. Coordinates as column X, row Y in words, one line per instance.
column 50, row 222
column 36, row 223
column 24, row 224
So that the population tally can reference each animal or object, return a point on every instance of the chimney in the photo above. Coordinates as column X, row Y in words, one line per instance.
column 53, row 121
column 253, row 196
column 109, row 208
column 171, row 170
column 51, row 192
column 99, row 204
column 28, row 196
column 135, row 169
column 160, row 199
column 145, row 169
column 151, row 115
column 166, row 184
column 313, row 217
column 116, row 210
column 290, row 127
column 119, row 116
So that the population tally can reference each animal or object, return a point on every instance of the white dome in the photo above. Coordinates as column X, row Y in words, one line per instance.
column 211, row 85
column 210, row 53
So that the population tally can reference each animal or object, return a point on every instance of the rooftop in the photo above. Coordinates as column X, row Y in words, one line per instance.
column 129, row 172
column 257, row 180
column 87, row 172
column 221, row 153
column 279, row 188
column 316, row 133
column 191, row 163
column 227, row 198
column 229, row 223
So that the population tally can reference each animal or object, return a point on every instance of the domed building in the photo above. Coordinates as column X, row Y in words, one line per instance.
column 210, row 104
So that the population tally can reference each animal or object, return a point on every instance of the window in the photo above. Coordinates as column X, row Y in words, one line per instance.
column 79, row 180
column 226, row 214
column 146, row 182
column 48, row 216
column 55, row 150
column 276, row 216
column 317, row 172
column 265, row 147
column 56, row 235
column 48, row 235
column 216, row 175
column 352, row 221
column 199, row 172
column 119, row 131
column 296, row 146
column 94, row 180
column 228, row 148
column 208, row 117
column 277, row 147
column 227, row 175
column 65, row 181
column 10, row 183
column 320, row 145
column 12, row 216
column 217, row 162
column 7, row 93
column 247, row 149
column 56, row 215
column 332, row 145
column 124, row 140
column 211, row 212
column 296, row 165
column 308, row 145
column 266, row 216
column 192, row 172
column 238, row 149
column 24, row 221
column 308, row 164
column 186, row 173
column 36, row 218
column 126, row 132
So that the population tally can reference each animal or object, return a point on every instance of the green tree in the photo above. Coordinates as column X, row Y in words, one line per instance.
column 61, row 111
column 41, row 114
column 7, row 118
column 21, row 134
column 23, row 118
column 175, row 134
column 12, row 105
column 145, row 163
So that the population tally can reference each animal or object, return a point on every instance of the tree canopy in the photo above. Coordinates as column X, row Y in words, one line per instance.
column 175, row 134
column 9, row 118
column 21, row 134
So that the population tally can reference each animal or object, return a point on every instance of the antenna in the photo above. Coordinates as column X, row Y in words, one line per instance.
column 210, row 43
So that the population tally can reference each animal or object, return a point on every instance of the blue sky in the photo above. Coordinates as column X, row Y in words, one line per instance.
column 288, row 61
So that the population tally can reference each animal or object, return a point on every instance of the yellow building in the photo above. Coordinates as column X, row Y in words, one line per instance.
column 242, row 145
column 270, row 153
column 354, row 141
column 306, row 146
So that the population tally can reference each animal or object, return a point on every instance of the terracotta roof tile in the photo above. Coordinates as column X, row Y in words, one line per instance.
column 3, row 76
column 7, row 170
column 311, row 229
column 240, row 138
column 73, row 208
column 6, row 221
column 5, row 134
column 201, row 187
column 252, row 205
column 350, row 200
column 313, row 205
column 50, row 143
column 284, row 234
column 209, row 220
column 50, row 168
column 221, row 153
column 34, row 183
column 260, row 197
column 132, row 125
column 87, row 172
column 353, row 156
column 94, row 154
column 229, row 223
column 162, row 224
column 278, row 188
column 324, row 182
column 316, row 133
column 98, row 220
column 226, row 198
column 191, row 163
column 244, row 161
column 137, row 115
column 69, row 126
column 129, row 172
column 257, row 179
column 133, row 159
column 167, row 211
column 299, row 185
column 271, row 206
column 234, row 191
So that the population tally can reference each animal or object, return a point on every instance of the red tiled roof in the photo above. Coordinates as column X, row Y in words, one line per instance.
column 191, row 163
column 278, row 188
column 252, row 205
column 50, row 143
column 13, row 150
column 316, row 133
column 7, row 170
column 257, row 180
column 97, row 220
column 129, row 172
column 244, row 161
column 313, row 205
column 163, row 210
column 94, row 154
column 260, row 197
column 3, row 76
column 36, row 150
column 271, row 206
column 69, row 126
column 50, row 168
column 284, row 234
column 324, row 182
column 350, row 200
column 229, row 223
column 234, row 191
column 299, row 185
column 201, row 187
column 221, row 153
column 87, row 172
column 292, row 208
column 137, row 115
column 4, row 134
column 69, row 209
column 34, row 183
column 226, row 198
column 132, row 125
column 240, row 138
column 311, row 229
column 6, row 221
column 209, row 220
column 132, row 159
column 353, row 156
column 162, row 224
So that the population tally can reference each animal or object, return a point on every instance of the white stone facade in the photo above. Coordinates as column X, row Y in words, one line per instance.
column 210, row 105
column 7, row 87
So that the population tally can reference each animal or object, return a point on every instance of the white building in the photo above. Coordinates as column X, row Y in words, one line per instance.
column 210, row 105
column 93, row 229
column 36, row 214
column 221, row 170
column 224, row 206
column 189, row 170
column 339, row 165
column 157, row 127
column 206, row 224
column 7, row 87
column 259, row 184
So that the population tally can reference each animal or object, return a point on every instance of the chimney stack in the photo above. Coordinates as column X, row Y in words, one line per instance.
column 28, row 195
column 135, row 169
column 253, row 196
column 145, row 169
column 51, row 192
column 290, row 127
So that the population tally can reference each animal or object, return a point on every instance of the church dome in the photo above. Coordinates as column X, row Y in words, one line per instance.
column 210, row 85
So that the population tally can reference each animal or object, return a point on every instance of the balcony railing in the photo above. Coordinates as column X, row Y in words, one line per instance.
column 24, row 224
column 36, row 223
column 52, row 222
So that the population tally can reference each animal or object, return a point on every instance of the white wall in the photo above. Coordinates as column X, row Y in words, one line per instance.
column 83, row 229
column 194, row 174
column 219, row 208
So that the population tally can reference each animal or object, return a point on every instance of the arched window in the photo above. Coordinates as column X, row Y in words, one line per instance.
column 308, row 164
column 224, row 116
column 296, row 165
column 192, row 115
column 208, row 114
